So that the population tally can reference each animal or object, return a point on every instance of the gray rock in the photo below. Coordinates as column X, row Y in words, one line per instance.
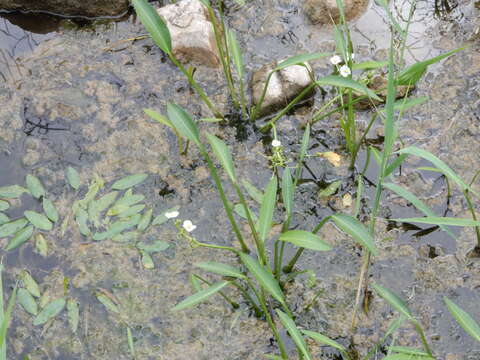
column 89, row 8
column 323, row 11
column 284, row 86
column 193, row 38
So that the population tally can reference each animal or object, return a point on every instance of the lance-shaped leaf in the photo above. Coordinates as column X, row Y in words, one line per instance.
column 154, row 25
column 419, row 204
column 129, row 181
column 450, row 221
column 223, row 155
column 267, row 209
column 287, row 191
column 200, row 296
column 4, row 219
column 4, row 205
column 38, row 220
column 407, row 350
column 395, row 301
column 35, row 186
column 184, row 124
column 107, row 302
column 72, row 177
column 355, row 229
column 305, row 239
column 50, row 210
column 264, row 278
column 299, row 60
column 49, row 311
column 322, row 339
column 334, row 80
column 145, row 220
column 158, row 117
column 20, row 238
column 446, row 170
column 27, row 302
column 369, row 65
column 12, row 227
column 464, row 319
column 253, row 191
column 12, row 191
column 294, row 333
column 30, row 284
column 407, row 357
column 73, row 314
column 236, row 52
column 221, row 269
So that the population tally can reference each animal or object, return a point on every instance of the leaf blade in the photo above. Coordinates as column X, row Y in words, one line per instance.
column 200, row 296
column 305, row 239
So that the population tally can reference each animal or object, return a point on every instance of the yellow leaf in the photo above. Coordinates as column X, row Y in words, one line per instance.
column 332, row 157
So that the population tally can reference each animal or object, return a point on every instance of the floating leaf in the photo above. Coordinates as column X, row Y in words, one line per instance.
column 107, row 302
column 221, row 269
column 330, row 189
column 147, row 260
column 160, row 219
column 131, row 211
column 145, row 220
column 295, row 334
column 20, row 238
column 253, row 191
column 334, row 80
column 41, row 246
column 95, row 208
column 50, row 210
column 267, row 209
column 305, row 239
column 73, row 314
column 73, row 177
column 81, row 217
column 4, row 218
column 223, row 155
column 4, row 205
column 450, row 221
column 127, row 236
column 35, row 186
column 38, row 220
column 464, row 319
column 264, row 278
column 12, row 191
column 30, row 284
column 49, row 311
column 394, row 300
column 26, row 300
column 124, row 203
column 154, row 25
column 355, row 229
column 129, row 181
column 287, row 191
column 183, row 123
column 117, row 227
column 322, row 339
column 154, row 247
column 12, row 227
column 200, row 296
column 92, row 191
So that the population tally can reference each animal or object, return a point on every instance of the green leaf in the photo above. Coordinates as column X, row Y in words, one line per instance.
column 122, row 204
column 369, row 65
column 35, row 186
column 305, row 239
column 464, row 319
column 355, row 229
column 322, row 339
column 334, row 80
column 160, row 219
column 200, row 296
column 130, row 343
column 117, row 227
column 154, row 25
column 128, row 236
column 223, row 155
column 27, row 302
column 253, row 191
column 158, row 117
column 273, row 357
column 220, row 269
column 129, row 181
column 195, row 283
column 394, row 164
column 38, row 220
column 145, row 220
column 407, row 350
column 240, row 210
column 211, row 120
column 30, row 284
column 4, row 218
column 287, row 191
column 12, row 227
column 267, row 209
column 394, row 300
column 96, row 207
column 107, row 302
column 41, row 246
column 73, row 314
column 299, row 60
column 12, row 191
column 236, row 52
column 147, row 260
column 295, row 334
column 403, row 105
column 49, row 312
column 4, row 205
column 50, row 210
column 5, row 320
column 20, row 238
column 156, row 246
column 330, row 189
column 417, row 203
column 184, row 124
column 450, row 221
column 131, row 211
column 264, row 278
column 413, row 150
column 73, row 177
column 81, row 218
column 407, row 357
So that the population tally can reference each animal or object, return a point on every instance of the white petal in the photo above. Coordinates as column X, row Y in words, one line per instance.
column 188, row 226
column 276, row 143
column 172, row 214
column 345, row 71
column 335, row 60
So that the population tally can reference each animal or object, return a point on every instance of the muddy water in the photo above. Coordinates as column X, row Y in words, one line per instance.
column 77, row 101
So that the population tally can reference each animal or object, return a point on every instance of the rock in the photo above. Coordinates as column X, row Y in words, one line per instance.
column 323, row 11
column 89, row 8
column 284, row 86
column 193, row 38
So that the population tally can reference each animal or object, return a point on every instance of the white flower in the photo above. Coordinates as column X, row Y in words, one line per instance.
column 188, row 225
column 276, row 143
column 345, row 71
column 335, row 59
column 172, row 214
column 352, row 56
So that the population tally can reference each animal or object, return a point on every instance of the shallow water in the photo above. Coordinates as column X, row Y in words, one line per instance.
column 77, row 99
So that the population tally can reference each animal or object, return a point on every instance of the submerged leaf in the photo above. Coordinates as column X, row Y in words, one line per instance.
column 73, row 314
column 4, row 218
column 38, row 220
column 107, row 302
column 81, row 217
column 35, row 186
column 129, row 181
column 147, row 260
column 145, row 220
column 4, row 205
column 160, row 219
column 154, row 247
column 131, row 211
column 12, row 191
column 12, row 227
column 30, row 284
column 200, row 296
column 50, row 210
column 49, row 311
column 41, row 246
column 21, row 237
column 26, row 300
column 73, row 177
column 330, row 189
column 117, row 227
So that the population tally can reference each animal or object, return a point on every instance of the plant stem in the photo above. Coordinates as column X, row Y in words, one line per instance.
column 249, row 299
column 474, row 216
column 318, row 117
column 256, row 108
column 423, row 338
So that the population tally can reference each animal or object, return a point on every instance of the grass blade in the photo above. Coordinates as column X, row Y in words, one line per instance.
column 183, row 123
column 394, row 300
column 355, row 229
column 305, row 239
column 264, row 278
column 450, row 221
column 200, row 296
column 322, row 339
column 334, row 80
column 154, row 25
column 295, row 334
column 407, row 350
column 464, row 319
column 299, row 60
column 222, row 153
column 221, row 269
column 267, row 209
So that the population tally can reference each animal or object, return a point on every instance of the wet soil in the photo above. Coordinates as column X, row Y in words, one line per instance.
column 75, row 98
